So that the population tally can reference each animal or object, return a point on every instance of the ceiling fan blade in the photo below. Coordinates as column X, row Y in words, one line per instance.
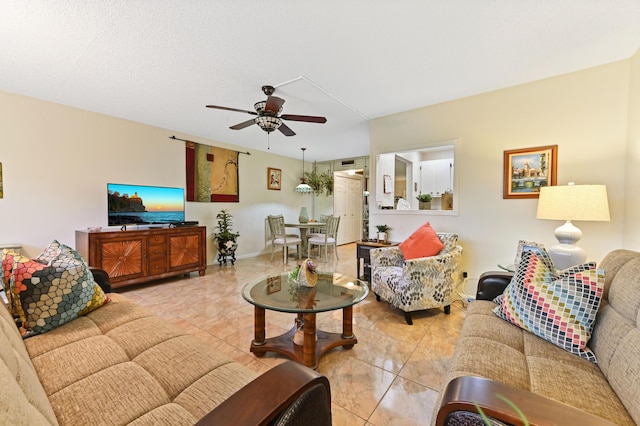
column 243, row 124
column 274, row 104
column 232, row 109
column 307, row 118
column 286, row 130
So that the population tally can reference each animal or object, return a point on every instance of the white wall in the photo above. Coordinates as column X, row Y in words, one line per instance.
column 584, row 113
column 385, row 165
column 632, row 184
column 57, row 161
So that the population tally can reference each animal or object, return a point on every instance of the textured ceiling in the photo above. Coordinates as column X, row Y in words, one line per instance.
column 160, row 61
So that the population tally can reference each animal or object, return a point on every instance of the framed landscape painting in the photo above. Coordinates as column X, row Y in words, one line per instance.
column 528, row 170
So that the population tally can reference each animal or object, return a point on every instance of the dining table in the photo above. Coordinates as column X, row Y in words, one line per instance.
column 304, row 227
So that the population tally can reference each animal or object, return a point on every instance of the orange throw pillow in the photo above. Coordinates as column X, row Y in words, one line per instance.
column 424, row 242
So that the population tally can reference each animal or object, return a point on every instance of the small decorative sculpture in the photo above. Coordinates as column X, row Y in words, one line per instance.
column 308, row 275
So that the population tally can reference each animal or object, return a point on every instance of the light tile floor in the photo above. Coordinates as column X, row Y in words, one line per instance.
column 392, row 376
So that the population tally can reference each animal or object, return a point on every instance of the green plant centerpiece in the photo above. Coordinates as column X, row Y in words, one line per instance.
column 425, row 201
column 383, row 232
column 226, row 238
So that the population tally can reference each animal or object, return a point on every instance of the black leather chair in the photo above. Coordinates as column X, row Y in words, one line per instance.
column 491, row 284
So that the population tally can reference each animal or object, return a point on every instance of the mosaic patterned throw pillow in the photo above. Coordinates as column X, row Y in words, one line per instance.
column 49, row 253
column 558, row 306
column 47, row 296
column 6, row 260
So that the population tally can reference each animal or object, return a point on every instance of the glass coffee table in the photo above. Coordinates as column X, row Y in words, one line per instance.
column 303, row 343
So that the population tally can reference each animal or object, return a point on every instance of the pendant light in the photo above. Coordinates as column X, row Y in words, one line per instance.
column 303, row 187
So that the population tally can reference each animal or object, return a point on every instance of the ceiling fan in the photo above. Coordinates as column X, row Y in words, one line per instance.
column 267, row 117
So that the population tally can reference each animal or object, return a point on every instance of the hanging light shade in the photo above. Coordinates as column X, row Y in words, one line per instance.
column 268, row 123
column 303, row 187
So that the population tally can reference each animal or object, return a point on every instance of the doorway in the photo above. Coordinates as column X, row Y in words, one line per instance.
column 348, row 203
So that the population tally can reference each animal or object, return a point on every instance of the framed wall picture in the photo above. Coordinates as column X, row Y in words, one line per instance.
column 274, row 178
column 528, row 170
column 388, row 184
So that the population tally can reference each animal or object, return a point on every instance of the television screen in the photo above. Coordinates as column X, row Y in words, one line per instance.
column 144, row 205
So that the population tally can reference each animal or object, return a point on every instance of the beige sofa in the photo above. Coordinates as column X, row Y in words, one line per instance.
column 494, row 358
column 120, row 364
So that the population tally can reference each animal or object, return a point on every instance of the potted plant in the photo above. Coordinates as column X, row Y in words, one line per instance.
column 382, row 233
column 226, row 238
column 425, row 201
column 314, row 180
column 327, row 182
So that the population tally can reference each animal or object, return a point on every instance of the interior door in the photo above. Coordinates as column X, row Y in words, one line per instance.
column 347, row 203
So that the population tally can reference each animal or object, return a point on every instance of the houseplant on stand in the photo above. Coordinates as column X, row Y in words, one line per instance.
column 226, row 238
column 382, row 233
column 425, row 201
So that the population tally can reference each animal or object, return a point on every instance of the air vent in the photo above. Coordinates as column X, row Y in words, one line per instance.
column 349, row 163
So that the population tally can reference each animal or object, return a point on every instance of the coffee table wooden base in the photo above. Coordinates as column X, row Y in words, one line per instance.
column 312, row 349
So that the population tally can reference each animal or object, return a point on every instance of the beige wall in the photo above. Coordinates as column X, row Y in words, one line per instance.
column 632, row 201
column 58, row 160
column 585, row 113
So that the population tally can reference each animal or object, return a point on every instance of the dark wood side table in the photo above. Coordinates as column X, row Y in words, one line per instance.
column 363, row 256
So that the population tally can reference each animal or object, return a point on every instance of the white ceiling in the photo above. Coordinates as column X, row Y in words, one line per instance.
column 160, row 62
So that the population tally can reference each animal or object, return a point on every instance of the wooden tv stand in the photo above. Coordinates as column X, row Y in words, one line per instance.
column 138, row 256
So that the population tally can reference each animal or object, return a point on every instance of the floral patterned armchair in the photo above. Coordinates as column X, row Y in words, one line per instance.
column 417, row 284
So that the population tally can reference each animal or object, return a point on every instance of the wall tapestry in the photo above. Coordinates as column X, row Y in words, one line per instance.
column 212, row 173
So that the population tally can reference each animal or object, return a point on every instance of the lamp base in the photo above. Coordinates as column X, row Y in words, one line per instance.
column 567, row 255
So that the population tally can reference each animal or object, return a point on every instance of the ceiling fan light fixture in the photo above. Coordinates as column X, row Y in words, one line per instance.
column 259, row 106
column 268, row 123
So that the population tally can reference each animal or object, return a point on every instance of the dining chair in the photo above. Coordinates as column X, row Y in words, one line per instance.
column 279, row 237
column 318, row 231
column 329, row 238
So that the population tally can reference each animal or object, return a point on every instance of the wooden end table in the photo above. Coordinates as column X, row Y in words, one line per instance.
column 278, row 293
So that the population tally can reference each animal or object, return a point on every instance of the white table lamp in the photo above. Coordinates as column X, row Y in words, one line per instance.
column 569, row 203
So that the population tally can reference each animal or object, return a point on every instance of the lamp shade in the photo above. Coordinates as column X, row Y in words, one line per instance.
column 573, row 202
column 569, row 203
column 303, row 187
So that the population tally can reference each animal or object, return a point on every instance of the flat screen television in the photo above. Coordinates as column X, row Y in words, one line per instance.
column 144, row 205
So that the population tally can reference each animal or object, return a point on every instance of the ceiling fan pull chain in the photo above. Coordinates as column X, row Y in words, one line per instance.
column 268, row 141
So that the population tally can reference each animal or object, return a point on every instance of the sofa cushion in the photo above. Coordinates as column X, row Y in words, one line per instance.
column 23, row 401
column 558, row 306
column 47, row 296
column 182, row 377
column 493, row 348
column 424, row 242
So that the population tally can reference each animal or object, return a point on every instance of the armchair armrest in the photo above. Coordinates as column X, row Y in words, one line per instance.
column 463, row 393
column 386, row 256
column 280, row 392
column 492, row 284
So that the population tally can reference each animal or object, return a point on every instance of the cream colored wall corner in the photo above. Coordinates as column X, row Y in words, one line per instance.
column 585, row 113
column 57, row 161
column 632, row 169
